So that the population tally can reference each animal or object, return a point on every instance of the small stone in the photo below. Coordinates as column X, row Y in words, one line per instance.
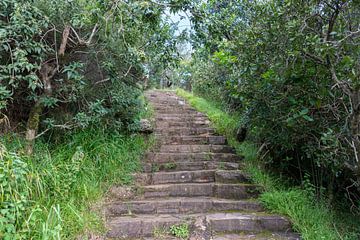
column 146, row 126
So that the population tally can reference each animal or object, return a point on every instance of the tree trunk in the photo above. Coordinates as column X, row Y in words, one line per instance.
column 46, row 73
column 32, row 126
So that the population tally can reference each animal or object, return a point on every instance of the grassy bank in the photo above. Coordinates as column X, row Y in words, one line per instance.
column 50, row 195
column 312, row 218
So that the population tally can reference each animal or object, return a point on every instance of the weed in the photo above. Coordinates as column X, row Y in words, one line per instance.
column 155, row 167
column 170, row 166
column 180, row 231
column 160, row 233
column 221, row 166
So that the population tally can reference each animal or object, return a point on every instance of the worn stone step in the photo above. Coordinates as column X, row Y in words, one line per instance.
column 141, row 226
column 239, row 222
column 227, row 191
column 190, row 166
column 199, row 148
column 181, row 131
column 169, row 99
column 192, row 124
column 174, row 157
column 172, row 104
column 193, row 115
column 181, row 118
column 181, row 206
column 199, row 176
column 177, row 111
column 214, row 140
column 171, row 107
column 258, row 236
column 146, row 225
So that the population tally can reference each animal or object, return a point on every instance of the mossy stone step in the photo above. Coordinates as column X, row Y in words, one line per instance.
column 165, row 157
column 227, row 191
column 181, row 206
column 146, row 225
column 172, row 166
column 197, row 176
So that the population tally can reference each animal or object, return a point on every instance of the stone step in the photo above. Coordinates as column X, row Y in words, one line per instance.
column 214, row 140
column 177, row 102
column 196, row 149
column 182, row 131
column 193, row 124
column 171, row 107
column 179, row 115
column 181, row 206
column 200, row 176
column 174, row 157
column 190, row 166
column 181, row 118
column 141, row 226
column 238, row 222
column 227, row 191
column 146, row 225
column 177, row 111
column 258, row 236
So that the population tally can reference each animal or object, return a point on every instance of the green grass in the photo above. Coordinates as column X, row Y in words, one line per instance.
column 313, row 219
column 64, row 182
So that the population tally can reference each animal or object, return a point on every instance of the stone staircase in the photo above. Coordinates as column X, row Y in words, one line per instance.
column 193, row 177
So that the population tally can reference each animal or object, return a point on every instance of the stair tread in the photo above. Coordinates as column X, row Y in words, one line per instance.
column 257, row 236
column 199, row 184
column 182, row 205
column 183, row 217
column 188, row 199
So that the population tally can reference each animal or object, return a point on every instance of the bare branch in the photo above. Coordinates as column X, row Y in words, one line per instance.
column 65, row 38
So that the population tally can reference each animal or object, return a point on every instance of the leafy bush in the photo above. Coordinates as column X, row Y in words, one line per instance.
column 71, row 64
column 288, row 69
column 14, row 195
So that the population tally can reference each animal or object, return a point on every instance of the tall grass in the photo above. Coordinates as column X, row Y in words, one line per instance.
column 311, row 217
column 64, row 181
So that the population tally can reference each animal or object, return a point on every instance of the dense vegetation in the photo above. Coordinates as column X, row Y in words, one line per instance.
column 291, row 71
column 70, row 64
column 72, row 74
column 313, row 218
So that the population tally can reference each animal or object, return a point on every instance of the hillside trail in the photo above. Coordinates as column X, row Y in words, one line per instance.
column 193, row 179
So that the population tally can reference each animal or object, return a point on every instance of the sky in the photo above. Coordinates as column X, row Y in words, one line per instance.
column 184, row 24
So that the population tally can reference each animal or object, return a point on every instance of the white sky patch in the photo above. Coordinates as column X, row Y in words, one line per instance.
column 184, row 24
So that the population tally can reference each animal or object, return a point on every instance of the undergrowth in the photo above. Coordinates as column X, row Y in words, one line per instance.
column 54, row 193
column 311, row 217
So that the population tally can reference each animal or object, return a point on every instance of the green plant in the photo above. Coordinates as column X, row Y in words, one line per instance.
column 312, row 217
column 14, row 195
column 48, row 195
column 288, row 69
column 160, row 233
column 180, row 231
column 170, row 166
column 64, row 67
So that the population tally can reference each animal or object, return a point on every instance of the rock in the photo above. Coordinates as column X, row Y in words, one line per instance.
column 121, row 193
column 146, row 126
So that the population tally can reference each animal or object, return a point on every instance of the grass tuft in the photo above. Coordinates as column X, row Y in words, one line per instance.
column 64, row 182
